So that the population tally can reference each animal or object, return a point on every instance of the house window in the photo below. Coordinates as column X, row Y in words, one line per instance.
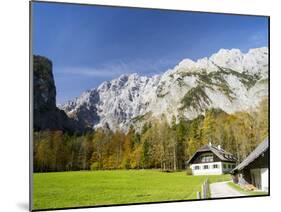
column 207, row 158
column 229, row 166
column 215, row 166
column 224, row 166
column 233, row 166
column 196, row 167
column 206, row 167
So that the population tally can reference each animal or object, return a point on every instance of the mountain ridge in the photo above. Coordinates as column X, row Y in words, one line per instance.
column 229, row 80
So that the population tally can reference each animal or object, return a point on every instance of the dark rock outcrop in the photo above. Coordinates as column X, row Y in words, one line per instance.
column 46, row 115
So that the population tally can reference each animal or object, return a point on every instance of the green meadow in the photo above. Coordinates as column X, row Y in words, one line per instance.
column 90, row 188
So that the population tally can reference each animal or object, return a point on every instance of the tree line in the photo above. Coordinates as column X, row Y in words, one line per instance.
column 158, row 145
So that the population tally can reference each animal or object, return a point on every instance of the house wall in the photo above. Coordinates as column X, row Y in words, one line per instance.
column 223, row 168
column 264, row 179
column 261, row 178
column 256, row 178
column 261, row 164
column 211, row 170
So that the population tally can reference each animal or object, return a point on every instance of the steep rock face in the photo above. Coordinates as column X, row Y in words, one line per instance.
column 86, row 108
column 44, row 85
column 46, row 115
column 229, row 80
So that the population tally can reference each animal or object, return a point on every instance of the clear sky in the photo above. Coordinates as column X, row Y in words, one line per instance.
column 91, row 44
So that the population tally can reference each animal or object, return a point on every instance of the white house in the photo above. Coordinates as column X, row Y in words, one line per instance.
column 254, row 168
column 211, row 160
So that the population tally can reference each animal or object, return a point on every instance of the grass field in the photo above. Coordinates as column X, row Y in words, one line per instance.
column 89, row 188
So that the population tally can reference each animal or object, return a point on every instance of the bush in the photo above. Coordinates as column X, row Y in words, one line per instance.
column 189, row 171
column 125, row 164
column 95, row 166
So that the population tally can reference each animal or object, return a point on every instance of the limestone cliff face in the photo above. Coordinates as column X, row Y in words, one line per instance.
column 44, row 85
column 229, row 80
column 46, row 115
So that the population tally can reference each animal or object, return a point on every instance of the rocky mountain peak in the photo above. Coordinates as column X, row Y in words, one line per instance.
column 229, row 80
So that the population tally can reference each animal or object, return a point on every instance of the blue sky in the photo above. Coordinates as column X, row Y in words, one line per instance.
column 91, row 44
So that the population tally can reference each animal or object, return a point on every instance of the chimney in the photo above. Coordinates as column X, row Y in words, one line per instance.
column 219, row 147
column 210, row 144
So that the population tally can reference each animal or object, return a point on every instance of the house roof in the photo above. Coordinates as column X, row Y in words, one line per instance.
column 260, row 149
column 219, row 152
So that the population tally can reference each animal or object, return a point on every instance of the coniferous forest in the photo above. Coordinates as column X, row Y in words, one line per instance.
column 158, row 145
